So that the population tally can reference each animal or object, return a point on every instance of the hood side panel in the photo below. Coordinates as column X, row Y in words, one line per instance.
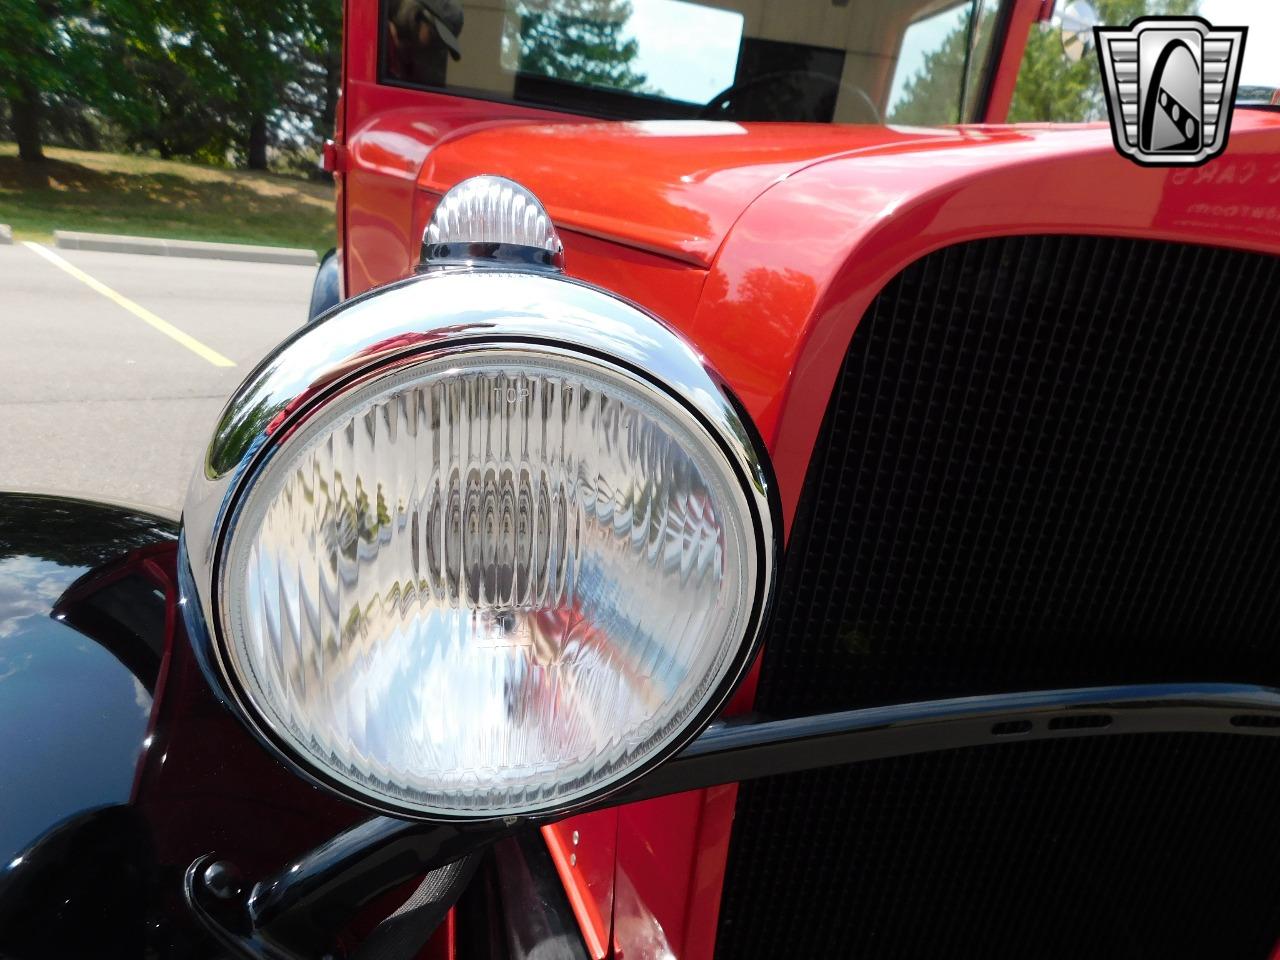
column 669, row 187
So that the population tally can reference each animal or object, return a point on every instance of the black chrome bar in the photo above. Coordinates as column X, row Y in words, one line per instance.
column 310, row 900
column 537, row 922
column 307, row 903
column 727, row 753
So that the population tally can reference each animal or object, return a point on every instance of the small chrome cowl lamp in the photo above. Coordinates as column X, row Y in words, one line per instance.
column 491, row 223
column 487, row 542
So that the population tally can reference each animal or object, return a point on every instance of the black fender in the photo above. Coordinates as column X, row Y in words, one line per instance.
column 326, row 288
column 120, row 768
column 82, row 631
column 81, row 635
column 48, row 910
column 118, row 765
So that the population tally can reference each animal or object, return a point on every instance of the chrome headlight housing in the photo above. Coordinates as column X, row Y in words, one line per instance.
column 483, row 543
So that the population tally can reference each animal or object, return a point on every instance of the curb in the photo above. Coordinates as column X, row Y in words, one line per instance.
column 6, row 234
column 151, row 246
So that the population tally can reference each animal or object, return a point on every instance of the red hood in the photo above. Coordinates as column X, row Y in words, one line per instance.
column 672, row 187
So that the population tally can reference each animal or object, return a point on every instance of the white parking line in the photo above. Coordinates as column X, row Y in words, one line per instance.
column 139, row 311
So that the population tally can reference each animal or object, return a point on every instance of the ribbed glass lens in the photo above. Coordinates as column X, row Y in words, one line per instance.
column 489, row 583
column 489, row 209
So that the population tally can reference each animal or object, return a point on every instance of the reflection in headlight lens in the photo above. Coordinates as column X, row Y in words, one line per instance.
column 489, row 583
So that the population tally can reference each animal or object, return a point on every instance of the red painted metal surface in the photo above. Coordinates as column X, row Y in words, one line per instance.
column 584, row 850
column 1022, row 18
column 673, row 187
column 764, row 244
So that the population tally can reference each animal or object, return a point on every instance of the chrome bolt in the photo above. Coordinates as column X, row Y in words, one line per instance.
column 222, row 879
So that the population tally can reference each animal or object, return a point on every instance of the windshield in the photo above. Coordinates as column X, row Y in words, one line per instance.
column 1051, row 87
column 850, row 61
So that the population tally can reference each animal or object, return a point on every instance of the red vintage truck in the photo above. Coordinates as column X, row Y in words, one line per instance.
column 735, row 496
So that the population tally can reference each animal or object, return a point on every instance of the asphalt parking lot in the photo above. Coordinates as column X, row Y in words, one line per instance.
column 113, row 367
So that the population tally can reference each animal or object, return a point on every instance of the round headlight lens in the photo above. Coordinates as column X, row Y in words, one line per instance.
column 490, row 583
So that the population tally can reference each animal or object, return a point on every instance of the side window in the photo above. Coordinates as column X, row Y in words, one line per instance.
column 668, row 49
column 624, row 58
column 817, row 61
column 942, row 57
column 421, row 38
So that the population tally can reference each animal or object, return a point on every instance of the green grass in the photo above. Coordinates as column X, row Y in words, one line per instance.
column 145, row 197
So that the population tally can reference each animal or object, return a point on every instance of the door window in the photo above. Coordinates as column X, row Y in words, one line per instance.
column 907, row 61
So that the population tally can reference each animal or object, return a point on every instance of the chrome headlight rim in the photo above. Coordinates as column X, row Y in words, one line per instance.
column 236, row 460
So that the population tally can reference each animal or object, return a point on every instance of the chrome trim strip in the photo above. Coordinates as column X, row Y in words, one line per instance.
column 753, row 747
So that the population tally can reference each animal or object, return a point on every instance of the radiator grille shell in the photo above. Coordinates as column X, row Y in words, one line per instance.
column 1047, row 462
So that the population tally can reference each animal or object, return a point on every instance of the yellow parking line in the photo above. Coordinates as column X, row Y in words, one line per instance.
column 139, row 311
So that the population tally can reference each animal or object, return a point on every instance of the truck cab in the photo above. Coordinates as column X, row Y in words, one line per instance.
column 737, row 495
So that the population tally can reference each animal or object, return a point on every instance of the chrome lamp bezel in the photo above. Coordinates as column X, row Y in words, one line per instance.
column 441, row 312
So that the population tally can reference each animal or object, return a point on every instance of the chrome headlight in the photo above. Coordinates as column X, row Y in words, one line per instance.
column 481, row 543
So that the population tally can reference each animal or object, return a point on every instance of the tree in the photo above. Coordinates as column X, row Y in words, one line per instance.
column 35, row 50
column 149, row 81
column 278, row 66
column 1052, row 88
column 202, row 78
column 244, row 42
column 195, row 78
column 67, row 64
column 581, row 41
column 310, row 98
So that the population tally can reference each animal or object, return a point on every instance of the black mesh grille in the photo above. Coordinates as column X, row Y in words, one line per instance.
column 1047, row 462
column 1151, row 846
